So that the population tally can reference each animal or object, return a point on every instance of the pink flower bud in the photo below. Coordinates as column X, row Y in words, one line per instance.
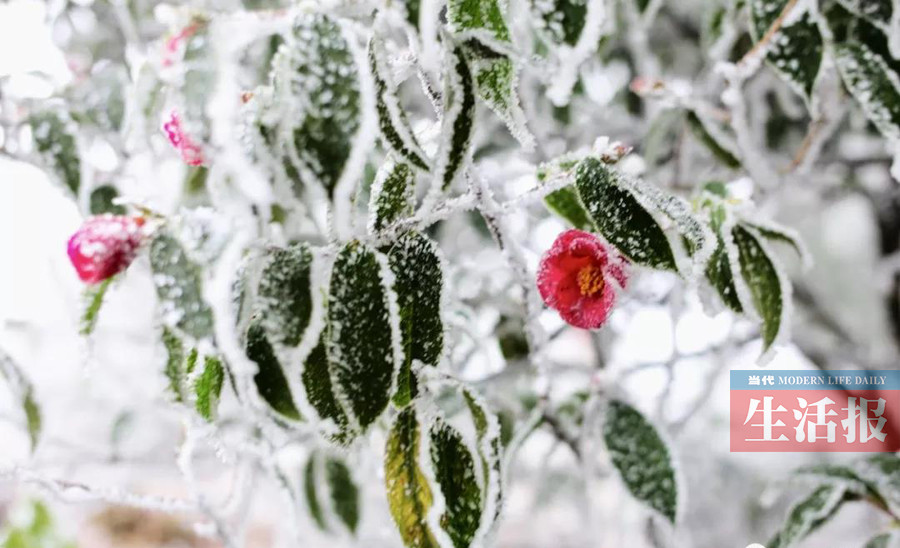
column 104, row 246
column 191, row 152
column 579, row 276
column 176, row 43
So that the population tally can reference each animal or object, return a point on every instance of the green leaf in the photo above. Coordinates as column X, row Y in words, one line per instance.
column 454, row 470
column 560, row 20
column 881, row 473
column 270, row 381
column 54, row 139
column 565, row 203
column 101, row 201
column 483, row 18
column 361, row 353
column 395, row 129
column 808, row 514
column 497, row 83
column 408, row 491
column 208, row 387
column 179, row 288
column 419, row 284
column 33, row 421
column 93, row 295
column 879, row 541
column 413, row 10
column 488, row 433
column 704, row 136
column 779, row 234
column 458, row 122
column 317, row 384
column 317, row 64
column 877, row 12
column 874, row 86
column 697, row 237
column 620, row 217
column 175, row 363
column 392, row 195
column 767, row 287
column 342, row 494
column 310, row 481
column 22, row 388
column 285, row 297
column 795, row 52
column 718, row 272
column 642, row 459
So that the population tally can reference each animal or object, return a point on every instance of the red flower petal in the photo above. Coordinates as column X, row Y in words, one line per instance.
column 104, row 246
column 191, row 152
column 568, row 278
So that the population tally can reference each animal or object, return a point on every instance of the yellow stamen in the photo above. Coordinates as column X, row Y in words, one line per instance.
column 590, row 280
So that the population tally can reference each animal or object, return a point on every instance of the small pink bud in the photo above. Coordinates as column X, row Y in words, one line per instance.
column 191, row 152
column 104, row 246
column 176, row 43
column 579, row 276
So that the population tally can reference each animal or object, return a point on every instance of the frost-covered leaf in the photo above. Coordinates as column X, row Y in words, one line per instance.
column 482, row 18
column 642, row 458
column 413, row 9
column 620, row 217
column 331, row 491
column 497, row 83
column 320, row 394
column 796, row 49
column 874, row 86
column 344, row 493
column 718, row 272
column 179, row 288
column 881, row 473
column 454, row 470
column 565, row 203
column 718, row 268
column 54, row 133
column 361, row 352
column 208, row 387
column 883, row 540
column 285, row 297
column 409, row 492
column 419, row 285
column 560, row 20
column 269, row 379
column 698, row 238
column 458, row 121
column 199, row 75
column 23, row 390
column 33, row 420
column 488, row 434
column 780, row 234
column 877, row 12
column 316, row 68
column 393, row 195
column 767, row 285
column 720, row 151
column 176, row 360
column 808, row 514
column 395, row 129
column 93, row 296
column 101, row 201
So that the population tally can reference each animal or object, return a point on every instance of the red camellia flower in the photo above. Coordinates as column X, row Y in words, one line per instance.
column 579, row 277
column 104, row 246
column 191, row 152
